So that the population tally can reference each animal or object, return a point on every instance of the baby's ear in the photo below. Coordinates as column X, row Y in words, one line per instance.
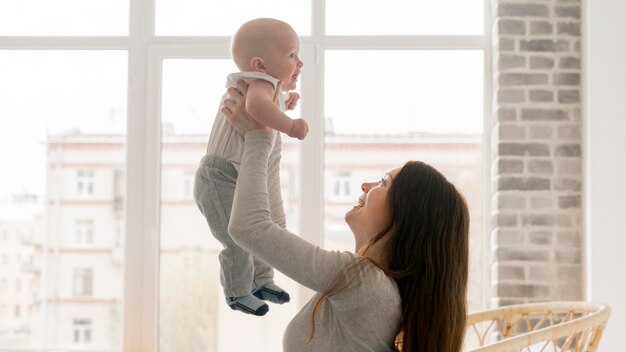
column 257, row 64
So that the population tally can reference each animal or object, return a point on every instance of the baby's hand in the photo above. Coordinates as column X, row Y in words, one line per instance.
column 299, row 129
column 292, row 101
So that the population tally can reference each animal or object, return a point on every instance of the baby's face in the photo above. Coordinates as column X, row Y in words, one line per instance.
column 284, row 62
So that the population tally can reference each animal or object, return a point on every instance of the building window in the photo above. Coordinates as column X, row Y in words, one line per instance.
column 18, row 311
column 188, row 184
column 84, row 182
column 341, row 185
column 84, row 229
column 82, row 331
column 83, row 282
column 18, row 285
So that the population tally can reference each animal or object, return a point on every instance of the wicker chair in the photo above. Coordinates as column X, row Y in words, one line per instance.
column 537, row 327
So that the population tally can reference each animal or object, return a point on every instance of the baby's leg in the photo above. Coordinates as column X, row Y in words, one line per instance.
column 214, row 190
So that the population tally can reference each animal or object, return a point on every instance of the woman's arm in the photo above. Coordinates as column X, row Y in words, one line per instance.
column 250, row 223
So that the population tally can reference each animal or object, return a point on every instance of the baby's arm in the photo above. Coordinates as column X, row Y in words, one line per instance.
column 260, row 105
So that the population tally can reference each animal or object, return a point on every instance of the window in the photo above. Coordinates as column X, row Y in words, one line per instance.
column 84, row 181
column 188, row 178
column 82, row 331
column 192, row 301
column 68, row 107
column 63, row 17
column 65, row 79
column 83, row 282
column 84, row 232
column 341, row 185
column 17, row 312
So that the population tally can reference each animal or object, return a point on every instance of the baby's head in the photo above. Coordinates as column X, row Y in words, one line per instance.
column 269, row 46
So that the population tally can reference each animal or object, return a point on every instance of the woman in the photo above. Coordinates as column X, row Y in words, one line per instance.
column 404, row 287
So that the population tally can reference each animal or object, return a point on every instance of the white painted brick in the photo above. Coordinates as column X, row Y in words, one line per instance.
column 507, row 238
column 569, row 96
column 540, row 167
column 540, row 237
column 569, row 62
column 541, row 62
column 572, row 12
column 511, row 131
column 511, row 96
column 571, row 167
column 522, row 10
column 538, row 203
column 540, row 132
column 569, row 132
column 540, row 273
column 568, row 29
column 567, row 184
column 568, row 239
column 508, row 61
column 537, row 193
column 510, row 201
column 540, row 27
column 540, row 96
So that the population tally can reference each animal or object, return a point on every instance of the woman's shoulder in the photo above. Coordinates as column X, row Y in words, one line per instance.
column 371, row 286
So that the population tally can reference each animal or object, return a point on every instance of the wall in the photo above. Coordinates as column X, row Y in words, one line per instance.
column 536, row 160
column 605, row 164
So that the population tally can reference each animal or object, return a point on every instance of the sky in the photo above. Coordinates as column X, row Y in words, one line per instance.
column 47, row 92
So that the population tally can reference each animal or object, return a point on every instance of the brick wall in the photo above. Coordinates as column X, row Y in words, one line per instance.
column 536, row 161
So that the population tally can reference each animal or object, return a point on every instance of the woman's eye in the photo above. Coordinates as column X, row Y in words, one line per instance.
column 292, row 55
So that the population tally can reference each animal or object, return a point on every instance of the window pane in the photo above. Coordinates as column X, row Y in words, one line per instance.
column 420, row 105
column 404, row 17
column 64, row 17
column 64, row 243
column 193, row 313
column 222, row 18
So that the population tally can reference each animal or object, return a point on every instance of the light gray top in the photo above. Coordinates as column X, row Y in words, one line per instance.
column 363, row 318
column 224, row 141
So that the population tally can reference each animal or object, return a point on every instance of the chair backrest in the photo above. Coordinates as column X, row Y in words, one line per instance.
column 546, row 327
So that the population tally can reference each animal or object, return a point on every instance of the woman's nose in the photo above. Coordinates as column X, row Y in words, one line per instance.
column 365, row 187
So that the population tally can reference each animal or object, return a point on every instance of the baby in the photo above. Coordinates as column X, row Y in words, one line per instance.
column 266, row 52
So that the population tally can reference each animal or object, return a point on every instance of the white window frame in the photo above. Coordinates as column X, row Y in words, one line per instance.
column 145, row 54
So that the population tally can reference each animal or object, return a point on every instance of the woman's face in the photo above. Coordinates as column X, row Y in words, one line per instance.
column 372, row 212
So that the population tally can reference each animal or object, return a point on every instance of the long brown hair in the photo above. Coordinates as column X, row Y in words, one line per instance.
column 427, row 256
